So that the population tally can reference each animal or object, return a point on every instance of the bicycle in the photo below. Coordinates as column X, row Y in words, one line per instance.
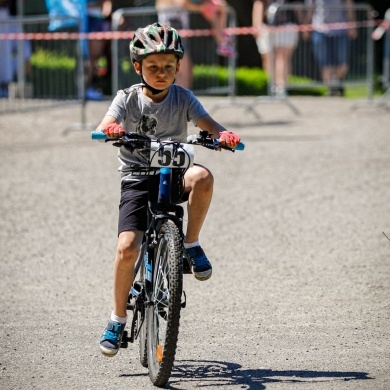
column 155, row 298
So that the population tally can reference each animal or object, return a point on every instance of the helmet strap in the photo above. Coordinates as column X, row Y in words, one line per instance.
column 150, row 88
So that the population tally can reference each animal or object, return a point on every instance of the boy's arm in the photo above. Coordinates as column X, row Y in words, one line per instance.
column 228, row 138
column 207, row 123
column 106, row 121
column 110, row 127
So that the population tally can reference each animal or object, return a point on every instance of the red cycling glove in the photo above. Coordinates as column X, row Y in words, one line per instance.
column 231, row 140
column 114, row 130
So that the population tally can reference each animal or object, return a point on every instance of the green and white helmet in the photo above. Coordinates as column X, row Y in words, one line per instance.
column 155, row 39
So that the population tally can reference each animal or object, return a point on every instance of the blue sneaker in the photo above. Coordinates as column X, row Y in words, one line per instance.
column 200, row 265
column 3, row 92
column 111, row 338
column 93, row 94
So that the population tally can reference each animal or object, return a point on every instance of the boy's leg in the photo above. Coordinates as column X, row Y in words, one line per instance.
column 129, row 243
column 199, row 185
column 127, row 253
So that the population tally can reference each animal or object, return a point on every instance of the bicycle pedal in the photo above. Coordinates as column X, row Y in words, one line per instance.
column 124, row 344
column 186, row 266
column 125, row 338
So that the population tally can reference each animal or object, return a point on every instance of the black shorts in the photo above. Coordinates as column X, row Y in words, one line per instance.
column 134, row 199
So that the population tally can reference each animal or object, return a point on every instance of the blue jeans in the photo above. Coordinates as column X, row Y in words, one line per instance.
column 330, row 50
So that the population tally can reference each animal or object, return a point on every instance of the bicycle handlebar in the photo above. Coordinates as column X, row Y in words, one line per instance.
column 204, row 139
column 98, row 136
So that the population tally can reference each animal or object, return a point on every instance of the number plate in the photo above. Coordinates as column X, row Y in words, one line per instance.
column 171, row 155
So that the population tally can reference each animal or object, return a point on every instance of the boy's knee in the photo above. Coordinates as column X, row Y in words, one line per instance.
column 204, row 177
column 127, row 250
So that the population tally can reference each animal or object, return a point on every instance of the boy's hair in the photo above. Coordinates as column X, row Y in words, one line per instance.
column 155, row 39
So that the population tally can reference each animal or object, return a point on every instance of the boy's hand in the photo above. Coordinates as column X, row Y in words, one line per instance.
column 229, row 139
column 114, row 130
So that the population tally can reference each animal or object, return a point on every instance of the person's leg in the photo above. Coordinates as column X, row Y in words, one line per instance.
column 131, row 225
column 321, row 55
column 338, row 49
column 96, row 49
column 326, row 74
column 328, row 60
column 341, row 48
column 185, row 76
column 5, row 55
column 263, row 46
column 265, row 62
column 129, row 243
column 282, row 68
column 279, row 66
column 198, row 183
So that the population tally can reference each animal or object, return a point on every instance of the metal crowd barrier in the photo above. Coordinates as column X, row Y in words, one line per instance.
column 305, row 72
column 53, row 74
column 47, row 70
column 386, row 63
column 199, row 45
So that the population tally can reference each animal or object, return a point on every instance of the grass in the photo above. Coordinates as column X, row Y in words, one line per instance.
column 42, row 58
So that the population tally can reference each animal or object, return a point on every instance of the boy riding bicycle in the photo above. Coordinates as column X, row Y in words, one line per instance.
column 158, row 108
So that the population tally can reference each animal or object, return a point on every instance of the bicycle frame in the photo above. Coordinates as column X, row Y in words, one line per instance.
column 157, row 212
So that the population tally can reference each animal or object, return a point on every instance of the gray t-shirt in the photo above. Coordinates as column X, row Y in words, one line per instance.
column 170, row 118
column 328, row 12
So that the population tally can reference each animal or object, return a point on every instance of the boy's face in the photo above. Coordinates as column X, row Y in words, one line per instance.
column 158, row 70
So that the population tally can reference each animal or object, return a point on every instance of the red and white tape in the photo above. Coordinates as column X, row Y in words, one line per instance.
column 110, row 35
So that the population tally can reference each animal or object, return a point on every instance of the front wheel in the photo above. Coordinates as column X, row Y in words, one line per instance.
column 164, row 313
column 142, row 316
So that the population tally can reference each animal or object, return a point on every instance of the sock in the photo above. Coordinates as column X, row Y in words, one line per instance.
column 121, row 320
column 189, row 245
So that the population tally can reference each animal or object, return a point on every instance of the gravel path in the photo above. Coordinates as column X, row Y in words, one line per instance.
column 300, row 295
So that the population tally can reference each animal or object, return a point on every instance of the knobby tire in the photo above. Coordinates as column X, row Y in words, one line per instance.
column 142, row 316
column 164, row 315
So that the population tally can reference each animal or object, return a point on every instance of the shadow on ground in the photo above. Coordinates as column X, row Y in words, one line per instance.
column 216, row 373
column 222, row 374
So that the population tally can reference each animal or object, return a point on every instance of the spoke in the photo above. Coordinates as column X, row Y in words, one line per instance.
column 161, row 294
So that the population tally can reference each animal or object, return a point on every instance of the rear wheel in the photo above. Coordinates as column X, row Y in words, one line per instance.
column 164, row 314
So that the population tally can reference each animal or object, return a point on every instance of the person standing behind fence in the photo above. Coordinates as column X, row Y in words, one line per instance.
column 282, row 42
column 173, row 13
column 5, row 50
column 21, row 53
column 215, row 12
column 85, row 16
column 99, row 15
column 384, row 29
column 331, row 43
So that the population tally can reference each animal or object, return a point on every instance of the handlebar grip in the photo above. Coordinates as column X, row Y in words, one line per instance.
column 98, row 135
column 240, row 146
